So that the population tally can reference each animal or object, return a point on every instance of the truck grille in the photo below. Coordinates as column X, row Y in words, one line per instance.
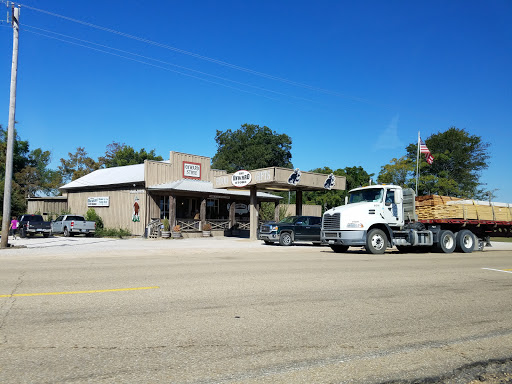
column 331, row 222
column 265, row 228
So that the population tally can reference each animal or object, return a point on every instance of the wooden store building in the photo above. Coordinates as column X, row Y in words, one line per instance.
column 186, row 191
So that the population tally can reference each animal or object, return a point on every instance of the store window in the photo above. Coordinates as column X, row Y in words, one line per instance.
column 164, row 207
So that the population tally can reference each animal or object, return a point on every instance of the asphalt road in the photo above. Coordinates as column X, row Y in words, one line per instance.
column 235, row 311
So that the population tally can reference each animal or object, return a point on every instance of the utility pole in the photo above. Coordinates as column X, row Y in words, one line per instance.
column 6, row 219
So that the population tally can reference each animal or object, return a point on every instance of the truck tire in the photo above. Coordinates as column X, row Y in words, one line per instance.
column 46, row 234
column 66, row 232
column 285, row 239
column 23, row 233
column 339, row 248
column 465, row 241
column 446, row 241
column 376, row 241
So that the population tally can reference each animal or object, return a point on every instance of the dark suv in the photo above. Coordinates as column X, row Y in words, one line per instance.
column 291, row 229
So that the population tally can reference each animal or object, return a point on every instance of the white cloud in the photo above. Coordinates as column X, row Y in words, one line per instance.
column 389, row 139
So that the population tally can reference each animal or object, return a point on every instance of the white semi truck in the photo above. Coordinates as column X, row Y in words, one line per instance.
column 382, row 216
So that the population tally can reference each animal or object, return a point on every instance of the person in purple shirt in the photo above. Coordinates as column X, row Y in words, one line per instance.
column 14, row 227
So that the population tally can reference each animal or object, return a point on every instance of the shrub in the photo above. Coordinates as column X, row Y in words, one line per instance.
column 166, row 224
column 91, row 215
column 207, row 227
column 112, row 232
column 176, row 228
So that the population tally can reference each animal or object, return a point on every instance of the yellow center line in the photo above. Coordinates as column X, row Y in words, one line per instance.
column 77, row 292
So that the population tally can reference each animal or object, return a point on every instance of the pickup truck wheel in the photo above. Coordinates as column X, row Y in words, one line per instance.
column 285, row 239
column 465, row 241
column 46, row 235
column 23, row 234
column 66, row 232
column 376, row 241
column 446, row 241
column 339, row 248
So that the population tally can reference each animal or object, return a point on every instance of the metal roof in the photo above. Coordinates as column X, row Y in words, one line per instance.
column 109, row 176
column 205, row 187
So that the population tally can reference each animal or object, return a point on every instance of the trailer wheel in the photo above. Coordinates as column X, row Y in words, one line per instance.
column 339, row 248
column 285, row 239
column 465, row 241
column 376, row 241
column 446, row 243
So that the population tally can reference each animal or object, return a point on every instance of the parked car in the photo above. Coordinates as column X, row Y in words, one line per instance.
column 291, row 229
column 29, row 225
column 70, row 225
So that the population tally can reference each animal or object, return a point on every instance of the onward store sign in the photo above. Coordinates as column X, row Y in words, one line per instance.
column 191, row 170
column 98, row 201
column 241, row 178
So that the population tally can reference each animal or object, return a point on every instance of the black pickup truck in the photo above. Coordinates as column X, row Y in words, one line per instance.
column 291, row 229
column 33, row 224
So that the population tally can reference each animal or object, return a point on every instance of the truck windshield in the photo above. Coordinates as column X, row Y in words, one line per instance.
column 366, row 195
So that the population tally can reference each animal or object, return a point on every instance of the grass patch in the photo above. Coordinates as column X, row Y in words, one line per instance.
column 112, row 232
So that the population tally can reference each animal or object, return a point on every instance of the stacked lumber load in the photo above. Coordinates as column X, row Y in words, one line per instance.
column 445, row 207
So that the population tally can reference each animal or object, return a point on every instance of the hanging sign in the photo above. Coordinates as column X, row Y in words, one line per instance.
column 330, row 182
column 241, row 178
column 294, row 177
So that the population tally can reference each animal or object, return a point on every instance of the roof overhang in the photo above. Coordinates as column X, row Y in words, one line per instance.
column 283, row 179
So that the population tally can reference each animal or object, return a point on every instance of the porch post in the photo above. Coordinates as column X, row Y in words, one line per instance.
column 253, row 211
column 172, row 210
column 298, row 202
column 202, row 214
column 276, row 210
column 232, row 207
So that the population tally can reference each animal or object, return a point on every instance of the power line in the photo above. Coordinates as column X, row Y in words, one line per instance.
column 202, row 57
column 153, row 59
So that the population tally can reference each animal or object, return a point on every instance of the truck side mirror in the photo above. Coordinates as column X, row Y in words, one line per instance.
column 398, row 196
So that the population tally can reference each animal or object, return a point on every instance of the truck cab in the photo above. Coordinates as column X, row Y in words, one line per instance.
column 368, row 218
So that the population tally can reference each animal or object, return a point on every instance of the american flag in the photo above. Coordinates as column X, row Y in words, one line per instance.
column 423, row 149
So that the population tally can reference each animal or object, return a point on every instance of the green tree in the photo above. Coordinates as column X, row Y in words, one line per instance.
column 252, row 147
column 31, row 174
column 77, row 165
column 397, row 172
column 118, row 155
column 459, row 159
column 355, row 177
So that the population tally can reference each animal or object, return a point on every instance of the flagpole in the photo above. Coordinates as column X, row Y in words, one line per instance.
column 418, row 163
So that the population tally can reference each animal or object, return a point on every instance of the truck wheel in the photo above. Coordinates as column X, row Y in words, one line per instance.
column 46, row 235
column 339, row 248
column 66, row 232
column 376, row 241
column 285, row 239
column 446, row 241
column 23, row 233
column 465, row 241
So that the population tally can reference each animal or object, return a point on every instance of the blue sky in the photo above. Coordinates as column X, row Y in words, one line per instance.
column 351, row 83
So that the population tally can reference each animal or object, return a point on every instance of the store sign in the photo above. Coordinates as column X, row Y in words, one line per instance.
column 191, row 170
column 241, row 178
column 98, row 201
